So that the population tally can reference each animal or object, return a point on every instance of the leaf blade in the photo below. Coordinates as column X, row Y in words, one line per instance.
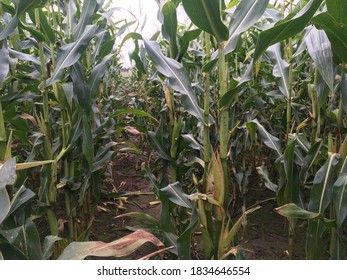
column 205, row 14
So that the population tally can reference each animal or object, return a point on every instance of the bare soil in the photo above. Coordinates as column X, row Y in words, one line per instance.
column 264, row 238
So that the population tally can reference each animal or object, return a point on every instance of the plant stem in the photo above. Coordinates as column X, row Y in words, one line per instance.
column 69, row 20
column 51, row 171
column 333, row 239
column 289, row 101
column 224, row 114
column 207, row 143
column 3, row 136
column 43, row 71
column 315, row 109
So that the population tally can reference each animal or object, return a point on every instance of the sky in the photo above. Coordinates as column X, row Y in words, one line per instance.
column 139, row 10
column 145, row 13
column 142, row 11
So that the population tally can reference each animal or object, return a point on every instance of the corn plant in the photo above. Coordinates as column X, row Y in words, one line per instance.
column 54, row 56
column 246, row 82
column 322, row 93
column 212, row 198
column 20, row 239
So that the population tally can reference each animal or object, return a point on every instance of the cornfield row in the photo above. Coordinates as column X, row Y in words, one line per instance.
column 247, row 86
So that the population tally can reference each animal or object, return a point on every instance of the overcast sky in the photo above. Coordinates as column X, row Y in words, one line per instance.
column 145, row 13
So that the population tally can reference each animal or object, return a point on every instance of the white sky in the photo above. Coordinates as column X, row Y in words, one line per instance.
column 142, row 11
column 139, row 10
column 145, row 13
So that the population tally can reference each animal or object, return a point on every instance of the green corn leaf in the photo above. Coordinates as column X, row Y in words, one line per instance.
column 119, row 248
column 336, row 32
column 87, row 142
column 263, row 172
column 291, row 210
column 338, row 9
column 236, row 227
column 5, row 203
column 187, row 37
column 70, row 54
column 71, row 5
column 247, row 13
column 178, row 78
column 6, row 7
column 21, row 8
column 175, row 138
column 340, row 199
column 152, row 180
column 67, row 89
column 310, row 159
column 291, row 191
column 24, row 241
column 81, row 89
column 103, row 150
column 320, row 198
column 302, row 147
column 344, row 91
column 145, row 218
column 319, row 48
column 135, row 112
column 124, row 28
column 32, row 241
column 99, row 161
column 177, row 2
column 340, row 206
column 132, row 35
column 104, row 45
column 176, row 194
column 206, row 14
column 166, row 205
column 146, row 222
column 4, row 62
column 7, row 173
column 77, row 129
column 46, row 28
column 232, row 3
column 140, row 65
column 269, row 140
column 235, row 88
column 158, row 146
column 323, row 184
column 192, row 142
column 10, row 252
column 169, row 27
column 88, row 10
column 286, row 28
column 10, row 27
column 302, row 141
column 97, row 74
column 24, row 5
column 185, row 240
column 24, row 57
column 20, row 199
column 3, row 135
column 273, row 15
column 281, row 69
column 48, row 246
column 36, row 34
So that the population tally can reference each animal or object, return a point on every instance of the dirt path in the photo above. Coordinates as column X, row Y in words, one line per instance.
column 264, row 238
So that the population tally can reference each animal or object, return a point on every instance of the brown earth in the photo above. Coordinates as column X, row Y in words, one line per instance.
column 264, row 238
